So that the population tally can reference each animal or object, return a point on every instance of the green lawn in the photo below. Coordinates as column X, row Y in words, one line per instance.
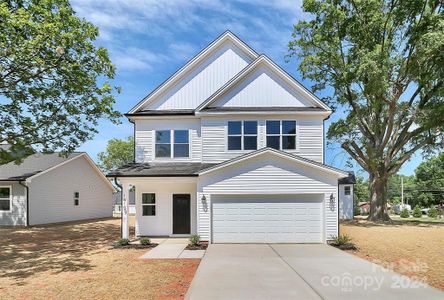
column 423, row 219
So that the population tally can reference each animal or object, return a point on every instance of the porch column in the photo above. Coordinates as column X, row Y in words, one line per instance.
column 125, row 210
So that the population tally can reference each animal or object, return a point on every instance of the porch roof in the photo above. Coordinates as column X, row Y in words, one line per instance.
column 159, row 170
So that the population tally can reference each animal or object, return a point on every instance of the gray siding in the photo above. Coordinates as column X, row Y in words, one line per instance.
column 17, row 215
column 52, row 194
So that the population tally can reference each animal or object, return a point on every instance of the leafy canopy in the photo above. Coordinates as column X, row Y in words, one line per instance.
column 53, row 80
column 118, row 153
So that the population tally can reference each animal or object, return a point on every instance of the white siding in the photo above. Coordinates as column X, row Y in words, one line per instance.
column 164, row 188
column 345, row 202
column 144, row 139
column 309, row 137
column 262, row 88
column 51, row 195
column 204, row 80
column 268, row 175
column 17, row 215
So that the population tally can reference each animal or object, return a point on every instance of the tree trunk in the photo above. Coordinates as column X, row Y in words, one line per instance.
column 378, row 198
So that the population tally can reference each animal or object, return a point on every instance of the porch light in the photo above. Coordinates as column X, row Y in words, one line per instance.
column 332, row 202
column 204, row 203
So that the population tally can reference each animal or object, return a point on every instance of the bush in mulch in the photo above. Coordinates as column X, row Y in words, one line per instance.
column 343, row 242
column 346, row 246
column 126, row 244
column 195, row 243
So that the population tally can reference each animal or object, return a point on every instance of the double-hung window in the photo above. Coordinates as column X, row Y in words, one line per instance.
column 347, row 190
column 148, row 204
column 242, row 135
column 172, row 143
column 5, row 198
column 281, row 134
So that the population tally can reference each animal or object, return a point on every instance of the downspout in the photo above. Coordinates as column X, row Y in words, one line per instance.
column 27, row 202
column 121, row 210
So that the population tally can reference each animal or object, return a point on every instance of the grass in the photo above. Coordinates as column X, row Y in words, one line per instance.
column 75, row 261
column 424, row 219
column 413, row 249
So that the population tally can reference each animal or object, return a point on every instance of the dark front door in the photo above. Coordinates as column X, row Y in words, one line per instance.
column 181, row 214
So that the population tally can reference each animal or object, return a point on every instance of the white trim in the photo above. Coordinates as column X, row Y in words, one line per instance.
column 171, row 158
column 194, row 62
column 281, row 135
column 274, row 152
column 88, row 159
column 268, row 62
column 10, row 198
column 242, row 135
column 149, row 204
column 325, row 114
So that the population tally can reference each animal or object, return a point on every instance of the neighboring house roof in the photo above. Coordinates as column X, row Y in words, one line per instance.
column 32, row 165
column 351, row 179
column 227, row 35
column 263, row 60
column 280, row 153
column 159, row 170
column 363, row 203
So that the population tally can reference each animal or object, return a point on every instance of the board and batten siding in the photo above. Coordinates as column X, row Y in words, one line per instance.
column 309, row 137
column 267, row 175
column 17, row 215
column 52, row 194
column 199, row 84
column 145, row 139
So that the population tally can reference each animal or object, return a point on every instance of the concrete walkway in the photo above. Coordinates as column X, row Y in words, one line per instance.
column 171, row 248
column 304, row 271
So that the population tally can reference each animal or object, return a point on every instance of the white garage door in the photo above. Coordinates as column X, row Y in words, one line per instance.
column 267, row 219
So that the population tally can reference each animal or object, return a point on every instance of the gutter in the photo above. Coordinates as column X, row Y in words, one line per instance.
column 121, row 211
column 27, row 201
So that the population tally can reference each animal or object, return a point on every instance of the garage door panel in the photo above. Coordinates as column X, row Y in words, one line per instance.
column 249, row 221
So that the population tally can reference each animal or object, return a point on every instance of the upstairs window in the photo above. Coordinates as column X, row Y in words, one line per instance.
column 242, row 135
column 172, row 143
column 281, row 134
column 5, row 198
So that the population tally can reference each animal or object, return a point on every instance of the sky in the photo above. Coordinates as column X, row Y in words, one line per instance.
column 148, row 40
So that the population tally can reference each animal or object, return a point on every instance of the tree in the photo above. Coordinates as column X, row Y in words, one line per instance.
column 394, row 187
column 50, row 95
column 383, row 60
column 429, row 179
column 117, row 153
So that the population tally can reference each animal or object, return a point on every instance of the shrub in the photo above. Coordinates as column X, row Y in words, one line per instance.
column 194, row 240
column 342, row 239
column 433, row 212
column 356, row 211
column 405, row 213
column 145, row 241
column 417, row 212
column 123, row 242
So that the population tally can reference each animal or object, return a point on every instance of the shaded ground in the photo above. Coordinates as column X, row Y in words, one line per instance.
column 74, row 261
column 415, row 250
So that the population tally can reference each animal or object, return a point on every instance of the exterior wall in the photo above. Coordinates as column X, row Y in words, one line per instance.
column 52, row 194
column 309, row 139
column 345, row 202
column 145, row 138
column 262, row 88
column 204, row 80
column 267, row 175
column 17, row 215
column 162, row 223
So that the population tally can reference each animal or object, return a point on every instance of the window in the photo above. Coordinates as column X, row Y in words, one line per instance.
column 172, row 143
column 76, row 198
column 5, row 198
column 281, row 134
column 242, row 135
column 347, row 190
column 148, row 204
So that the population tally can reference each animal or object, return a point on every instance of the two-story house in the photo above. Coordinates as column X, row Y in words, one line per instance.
column 231, row 147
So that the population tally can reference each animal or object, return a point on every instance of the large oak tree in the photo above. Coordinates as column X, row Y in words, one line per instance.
column 384, row 61
column 53, row 80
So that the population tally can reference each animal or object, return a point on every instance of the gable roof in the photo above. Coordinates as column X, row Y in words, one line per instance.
column 286, row 155
column 263, row 60
column 190, row 65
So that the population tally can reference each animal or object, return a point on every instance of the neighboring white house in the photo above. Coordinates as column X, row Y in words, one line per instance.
column 346, row 193
column 231, row 147
column 48, row 188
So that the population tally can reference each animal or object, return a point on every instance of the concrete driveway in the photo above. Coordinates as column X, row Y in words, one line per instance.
column 302, row 271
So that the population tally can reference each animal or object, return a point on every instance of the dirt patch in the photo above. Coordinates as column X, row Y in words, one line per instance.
column 74, row 261
column 414, row 250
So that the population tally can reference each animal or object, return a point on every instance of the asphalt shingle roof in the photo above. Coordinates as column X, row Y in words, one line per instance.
column 158, row 169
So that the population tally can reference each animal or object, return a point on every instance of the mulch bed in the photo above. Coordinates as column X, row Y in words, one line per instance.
column 346, row 246
column 135, row 246
column 202, row 246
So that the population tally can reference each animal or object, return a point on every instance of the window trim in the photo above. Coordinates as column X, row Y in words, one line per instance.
column 281, row 134
column 242, row 135
column 10, row 197
column 148, row 204
column 345, row 190
column 171, row 144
